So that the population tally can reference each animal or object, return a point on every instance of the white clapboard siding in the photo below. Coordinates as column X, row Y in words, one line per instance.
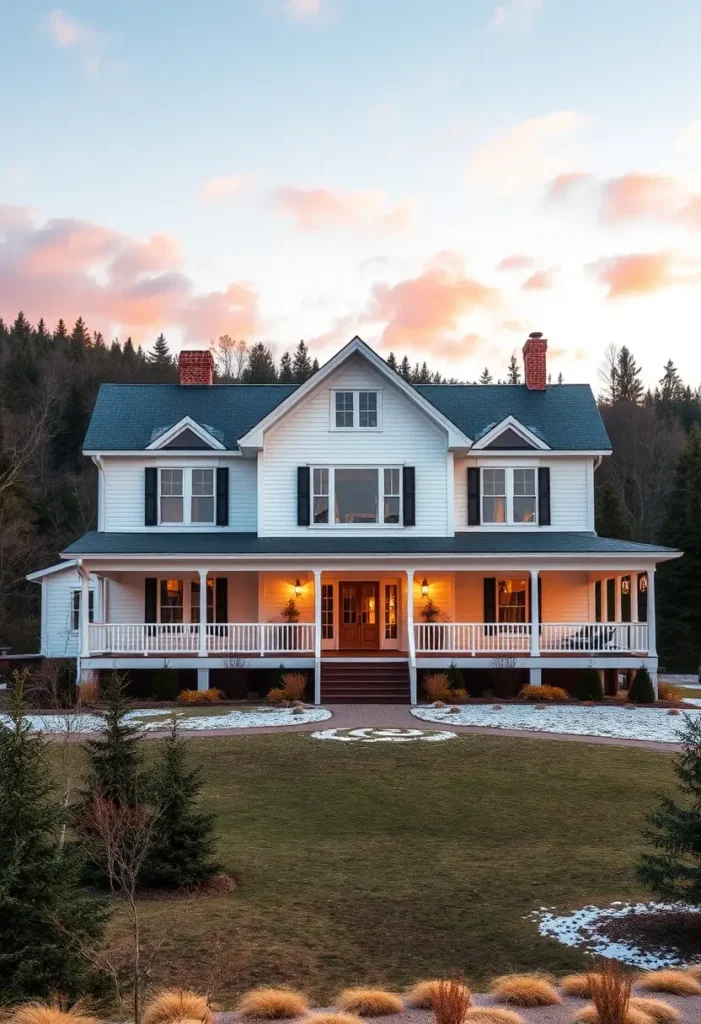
column 304, row 437
column 125, row 600
column 565, row 595
column 123, row 492
column 58, row 639
column 571, row 491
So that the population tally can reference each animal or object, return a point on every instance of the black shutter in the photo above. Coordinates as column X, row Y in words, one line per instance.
column 223, row 496
column 490, row 599
column 544, row 496
column 221, row 599
column 150, row 599
column 303, row 496
column 597, row 601
column 611, row 600
column 473, row 496
column 151, row 497
column 409, row 487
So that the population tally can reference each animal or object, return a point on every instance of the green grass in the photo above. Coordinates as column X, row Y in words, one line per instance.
column 387, row 863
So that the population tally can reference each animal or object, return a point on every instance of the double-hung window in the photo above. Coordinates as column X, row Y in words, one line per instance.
column 509, row 497
column 186, row 496
column 355, row 410
column 75, row 609
column 357, row 496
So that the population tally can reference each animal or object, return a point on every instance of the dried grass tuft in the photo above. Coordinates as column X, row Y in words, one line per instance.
column 436, row 686
column 492, row 1015
column 525, row 990
column 333, row 1018
column 677, row 983
column 369, row 1002
column 609, row 988
column 694, row 970
column 272, row 1004
column 451, row 1001
column 294, row 684
column 423, row 994
column 576, row 985
column 588, row 1015
column 49, row 1013
column 656, row 1009
column 177, row 1004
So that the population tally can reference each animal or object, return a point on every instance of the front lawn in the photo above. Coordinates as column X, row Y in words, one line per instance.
column 388, row 863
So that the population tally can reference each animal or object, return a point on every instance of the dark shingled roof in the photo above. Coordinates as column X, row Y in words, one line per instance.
column 130, row 416
column 228, row 543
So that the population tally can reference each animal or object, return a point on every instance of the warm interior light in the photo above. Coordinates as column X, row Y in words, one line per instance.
column 643, row 583
column 424, row 587
column 625, row 586
column 298, row 587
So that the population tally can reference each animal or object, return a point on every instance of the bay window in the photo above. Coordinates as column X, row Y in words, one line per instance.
column 509, row 497
column 186, row 496
column 357, row 496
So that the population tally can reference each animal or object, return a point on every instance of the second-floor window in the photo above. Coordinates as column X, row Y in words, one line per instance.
column 186, row 496
column 357, row 496
column 355, row 410
column 509, row 496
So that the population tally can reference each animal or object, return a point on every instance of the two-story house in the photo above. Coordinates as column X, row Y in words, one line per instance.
column 355, row 526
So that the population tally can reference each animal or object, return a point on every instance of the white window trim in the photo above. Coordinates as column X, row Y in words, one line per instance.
column 510, row 521
column 506, row 579
column 186, row 423
column 380, row 524
column 187, row 520
column 356, row 410
column 91, row 618
column 186, row 599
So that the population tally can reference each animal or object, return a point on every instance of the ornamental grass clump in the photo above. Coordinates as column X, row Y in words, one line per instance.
column 436, row 686
column 492, row 1015
column 676, row 983
column 451, row 1001
column 546, row 693
column 173, row 1005
column 669, row 693
column 369, row 1002
column 609, row 989
column 333, row 1018
column 212, row 696
column 589, row 1015
column 422, row 994
column 656, row 1009
column 294, row 684
column 525, row 990
column 48, row 1013
column 272, row 1004
column 576, row 985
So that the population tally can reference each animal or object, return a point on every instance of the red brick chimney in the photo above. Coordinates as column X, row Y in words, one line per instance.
column 196, row 367
column 535, row 362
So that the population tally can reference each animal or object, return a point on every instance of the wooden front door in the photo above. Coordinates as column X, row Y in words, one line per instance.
column 359, row 615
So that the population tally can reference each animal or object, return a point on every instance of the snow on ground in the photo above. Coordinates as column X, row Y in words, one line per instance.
column 582, row 927
column 680, row 680
column 626, row 722
column 383, row 735
column 150, row 718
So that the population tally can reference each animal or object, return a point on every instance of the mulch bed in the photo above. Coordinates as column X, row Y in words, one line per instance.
column 674, row 932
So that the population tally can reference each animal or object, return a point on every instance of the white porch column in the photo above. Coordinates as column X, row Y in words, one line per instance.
column 535, row 676
column 634, row 597
column 651, row 621
column 618, row 615
column 317, row 636
column 202, row 652
column 535, row 616
column 84, row 624
column 202, row 678
column 411, row 639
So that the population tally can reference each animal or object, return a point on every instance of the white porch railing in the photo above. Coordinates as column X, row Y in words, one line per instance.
column 510, row 637
column 472, row 637
column 184, row 638
column 594, row 637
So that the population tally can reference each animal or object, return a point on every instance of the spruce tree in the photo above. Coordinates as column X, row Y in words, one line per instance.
column 46, row 919
column 182, row 850
column 261, row 366
column 61, row 336
column 671, row 387
column 392, row 362
column 159, row 356
column 626, row 385
column 680, row 579
column 612, row 520
column 405, row 369
column 486, row 377
column 79, row 340
column 71, row 427
column 285, row 375
column 315, row 366
column 301, row 364
column 673, row 871
column 513, row 373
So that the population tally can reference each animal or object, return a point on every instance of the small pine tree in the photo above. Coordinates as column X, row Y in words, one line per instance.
column 456, row 677
column 160, row 355
column 260, row 368
column 589, row 685
column 392, row 362
column 181, row 853
column 611, row 517
column 45, row 916
column 486, row 377
column 673, row 872
column 641, row 690
column 79, row 341
column 513, row 373
column 405, row 370
column 301, row 364
column 285, row 374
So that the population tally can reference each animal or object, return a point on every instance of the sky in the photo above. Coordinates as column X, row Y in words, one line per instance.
column 440, row 177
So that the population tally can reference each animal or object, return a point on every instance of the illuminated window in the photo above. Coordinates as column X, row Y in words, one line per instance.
column 512, row 597
column 327, row 611
column 195, row 601
column 171, row 600
column 390, row 611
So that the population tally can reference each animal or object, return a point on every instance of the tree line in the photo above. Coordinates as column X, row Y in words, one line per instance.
column 649, row 490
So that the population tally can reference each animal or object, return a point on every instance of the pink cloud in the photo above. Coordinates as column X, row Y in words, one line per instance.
column 319, row 209
column 516, row 262
column 643, row 273
column 633, row 197
column 69, row 268
column 303, row 9
column 69, row 33
column 541, row 281
column 426, row 311
column 564, row 185
column 222, row 190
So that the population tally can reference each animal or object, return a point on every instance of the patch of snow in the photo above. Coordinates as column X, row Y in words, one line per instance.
column 690, row 679
column 630, row 723
column 692, row 702
column 383, row 735
column 582, row 929
column 227, row 720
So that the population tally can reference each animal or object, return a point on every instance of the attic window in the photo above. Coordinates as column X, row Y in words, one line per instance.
column 355, row 410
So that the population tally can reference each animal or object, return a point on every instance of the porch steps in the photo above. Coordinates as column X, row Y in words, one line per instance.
column 364, row 682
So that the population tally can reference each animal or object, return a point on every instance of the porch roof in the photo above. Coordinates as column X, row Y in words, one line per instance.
column 250, row 544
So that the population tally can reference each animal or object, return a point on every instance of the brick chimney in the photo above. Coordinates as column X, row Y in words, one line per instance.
column 535, row 362
column 196, row 367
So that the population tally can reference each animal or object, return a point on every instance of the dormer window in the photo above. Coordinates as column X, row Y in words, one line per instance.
column 355, row 410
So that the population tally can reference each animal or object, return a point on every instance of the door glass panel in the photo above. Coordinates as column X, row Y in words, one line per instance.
column 369, row 607
column 356, row 497
column 327, row 611
column 349, row 606
column 391, row 611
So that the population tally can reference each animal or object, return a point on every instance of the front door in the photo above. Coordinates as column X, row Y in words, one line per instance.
column 359, row 626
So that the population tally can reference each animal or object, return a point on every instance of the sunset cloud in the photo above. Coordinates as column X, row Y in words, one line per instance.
column 541, row 281
column 632, row 197
column 220, row 191
column 67, row 268
column 526, row 154
column 426, row 311
column 303, row 9
column 516, row 262
column 320, row 209
column 69, row 33
column 643, row 273
column 564, row 186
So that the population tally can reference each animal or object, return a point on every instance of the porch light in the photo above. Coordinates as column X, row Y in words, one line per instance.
column 643, row 583
column 298, row 588
column 424, row 587
column 625, row 586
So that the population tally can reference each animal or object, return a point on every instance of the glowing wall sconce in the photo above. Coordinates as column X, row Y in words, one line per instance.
column 298, row 588
column 424, row 587
column 625, row 586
